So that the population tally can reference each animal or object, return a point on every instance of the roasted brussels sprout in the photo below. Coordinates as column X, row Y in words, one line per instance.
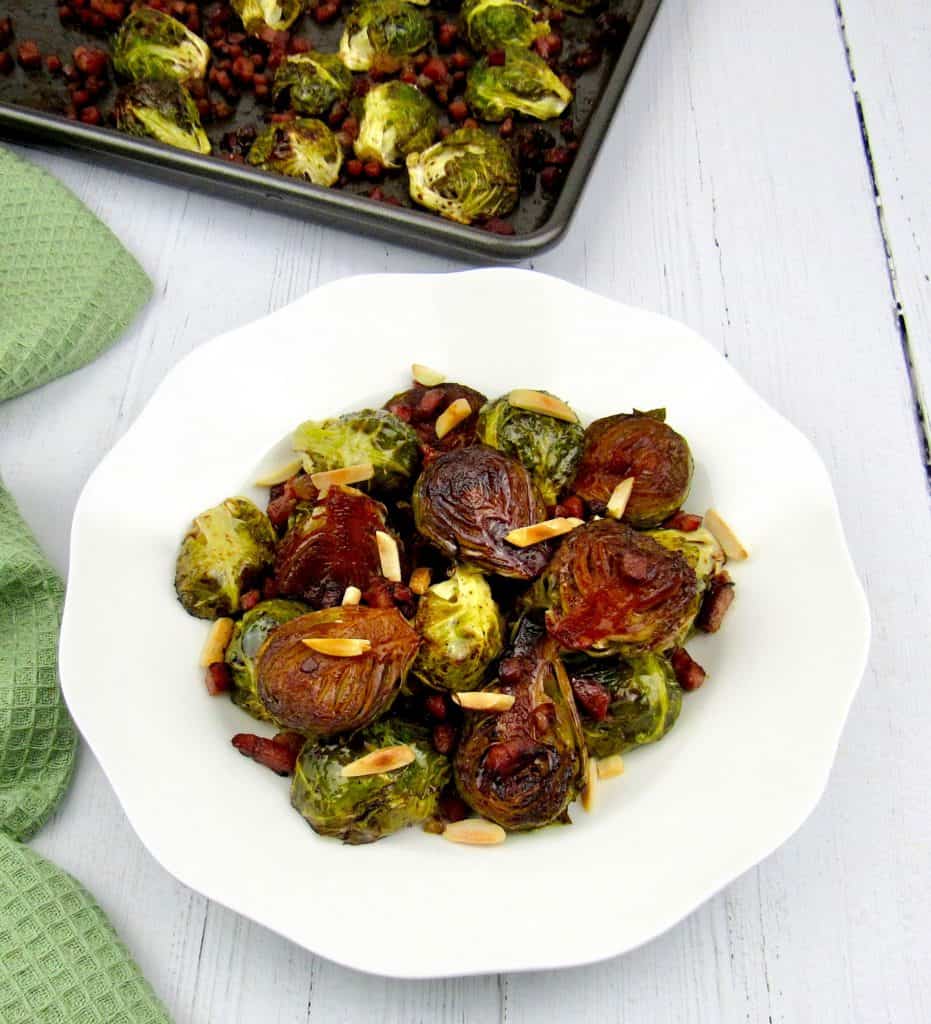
column 461, row 628
column 624, row 703
column 699, row 548
column 312, row 82
column 466, row 502
column 523, row 84
column 250, row 633
column 609, row 587
column 421, row 406
column 153, row 45
column 497, row 24
column 161, row 110
column 323, row 694
column 522, row 768
column 382, row 31
column 369, row 807
column 642, row 446
column 258, row 15
column 331, row 548
column 373, row 435
column 225, row 552
column 397, row 119
column 467, row 175
column 548, row 447
column 304, row 148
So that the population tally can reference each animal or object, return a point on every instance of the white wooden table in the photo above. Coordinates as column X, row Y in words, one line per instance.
column 737, row 191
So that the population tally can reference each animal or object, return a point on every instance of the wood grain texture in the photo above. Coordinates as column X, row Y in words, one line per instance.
column 732, row 193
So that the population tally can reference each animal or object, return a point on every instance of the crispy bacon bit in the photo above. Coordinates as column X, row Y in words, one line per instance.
column 217, row 678
column 539, row 401
column 689, row 674
column 717, row 600
column 453, row 808
column 435, row 706
column 250, row 599
column 277, row 756
column 592, row 697
column 504, row 759
column 444, row 738
column 294, row 741
column 684, row 522
column 571, row 508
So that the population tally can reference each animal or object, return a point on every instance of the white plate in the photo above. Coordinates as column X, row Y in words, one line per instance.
column 744, row 766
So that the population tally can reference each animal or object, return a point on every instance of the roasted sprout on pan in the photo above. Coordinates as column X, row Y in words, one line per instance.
column 497, row 24
column 162, row 110
column 303, row 148
column 397, row 119
column 312, row 82
column 259, row 16
column 383, row 31
column 153, row 45
column 523, row 84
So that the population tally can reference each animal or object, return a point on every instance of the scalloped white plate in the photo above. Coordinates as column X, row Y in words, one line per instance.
column 734, row 779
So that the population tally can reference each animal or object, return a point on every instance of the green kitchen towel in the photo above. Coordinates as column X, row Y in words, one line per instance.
column 67, row 290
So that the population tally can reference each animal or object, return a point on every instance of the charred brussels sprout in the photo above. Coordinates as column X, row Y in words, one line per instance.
column 641, row 446
column 397, row 119
column 382, row 30
column 467, row 175
column 257, row 15
column 312, row 82
column 322, row 694
column 699, row 548
column 421, row 406
column 523, row 84
column 465, row 504
column 153, row 45
column 225, row 552
column 250, row 633
column 304, row 148
column 373, row 435
column 611, row 588
column 497, row 24
column 625, row 703
column 461, row 629
column 369, row 807
column 161, row 110
column 548, row 447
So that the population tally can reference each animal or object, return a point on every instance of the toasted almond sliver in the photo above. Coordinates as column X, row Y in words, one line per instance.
column 337, row 646
column 427, row 376
column 279, row 475
column 539, row 401
column 455, row 413
column 610, row 767
column 617, row 503
column 475, row 832
column 589, row 793
column 484, row 700
column 352, row 595
column 388, row 759
column 725, row 536
column 388, row 555
column 420, row 580
column 217, row 641
column 328, row 478
column 527, row 535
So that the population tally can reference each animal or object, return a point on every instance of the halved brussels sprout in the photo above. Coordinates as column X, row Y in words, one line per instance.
column 467, row 175
column 312, row 82
column 610, row 588
column 153, row 45
column 258, row 15
column 224, row 553
column 369, row 807
column 624, row 703
column 523, row 84
column 497, row 24
column 323, row 695
column 548, row 447
column 397, row 119
column 382, row 30
column 372, row 435
column 421, row 406
column 161, row 110
column 467, row 501
column 699, row 548
column 461, row 628
column 304, row 148
column 642, row 446
column 250, row 632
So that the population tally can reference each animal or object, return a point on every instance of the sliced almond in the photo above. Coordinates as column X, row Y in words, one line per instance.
column 337, row 646
column 589, row 793
column 388, row 556
column 388, row 759
column 427, row 376
column 352, row 595
column 328, row 478
column 218, row 639
column 527, row 535
column 475, row 832
column 420, row 580
column 725, row 536
column 279, row 475
column 455, row 413
column 539, row 401
column 610, row 767
column 483, row 700
column 617, row 503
